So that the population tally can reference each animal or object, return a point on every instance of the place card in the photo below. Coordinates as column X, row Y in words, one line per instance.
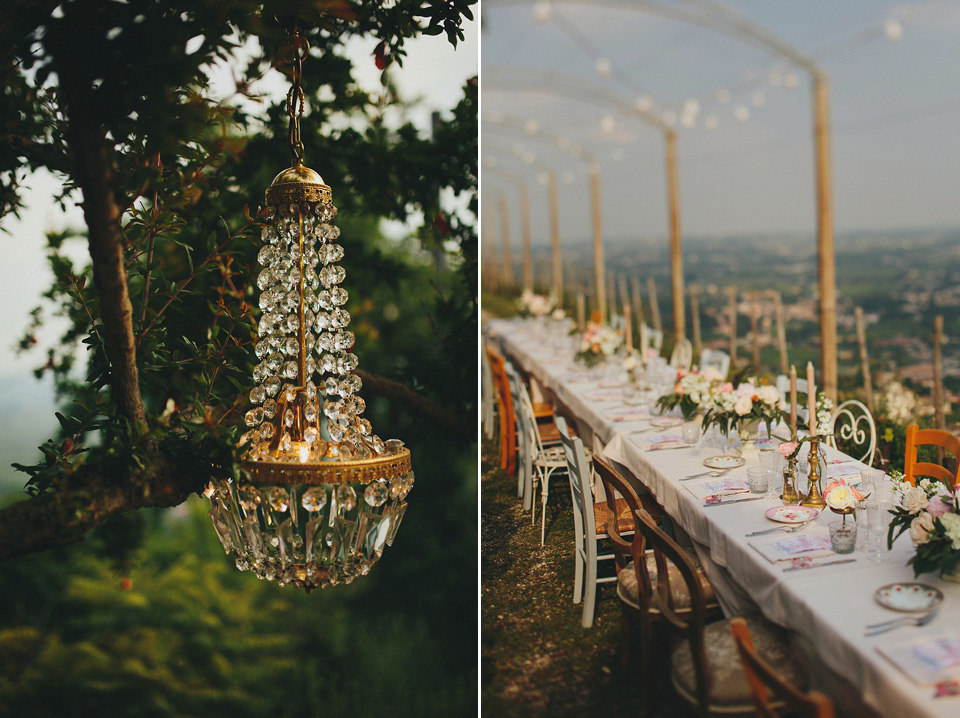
column 776, row 548
column 926, row 659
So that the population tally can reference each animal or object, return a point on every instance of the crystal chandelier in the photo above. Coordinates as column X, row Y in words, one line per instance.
column 320, row 494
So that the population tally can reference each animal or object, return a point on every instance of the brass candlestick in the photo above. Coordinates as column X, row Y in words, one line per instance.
column 790, row 495
column 814, row 498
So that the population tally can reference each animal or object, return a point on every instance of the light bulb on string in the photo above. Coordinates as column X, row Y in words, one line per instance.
column 603, row 68
column 542, row 11
column 741, row 113
column 893, row 29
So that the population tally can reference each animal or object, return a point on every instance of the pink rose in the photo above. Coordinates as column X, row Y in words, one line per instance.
column 678, row 389
column 939, row 505
column 787, row 447
column 726, row 388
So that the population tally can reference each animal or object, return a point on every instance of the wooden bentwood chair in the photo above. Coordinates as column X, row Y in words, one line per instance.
column 704, row 667
column 913, row 468
column 767, row 685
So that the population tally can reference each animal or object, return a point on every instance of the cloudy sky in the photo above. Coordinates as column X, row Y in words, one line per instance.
column 743, row 115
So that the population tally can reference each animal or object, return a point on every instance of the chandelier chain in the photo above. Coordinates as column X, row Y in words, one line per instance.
column 295, row 97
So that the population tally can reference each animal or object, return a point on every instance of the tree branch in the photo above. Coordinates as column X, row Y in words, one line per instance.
column 62, row 517
column 464, row 425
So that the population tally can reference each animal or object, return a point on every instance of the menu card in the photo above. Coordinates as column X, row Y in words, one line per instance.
column 927, row 659
column 779, row 547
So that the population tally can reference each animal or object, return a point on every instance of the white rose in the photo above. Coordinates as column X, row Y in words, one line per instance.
column 920, row 528
column 743, row 405
column 841, row 497
column 768, row 395
column 951, row 523
column 914, row 500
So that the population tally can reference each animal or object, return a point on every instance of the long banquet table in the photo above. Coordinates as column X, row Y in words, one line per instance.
column 826, row 607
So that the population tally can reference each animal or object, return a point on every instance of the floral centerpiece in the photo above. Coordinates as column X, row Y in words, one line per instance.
column 750, row 402
column 534, row 305
column 931, row 514
column 691, row 391
column 598, row 342
column 841, row 498
column 630, row 365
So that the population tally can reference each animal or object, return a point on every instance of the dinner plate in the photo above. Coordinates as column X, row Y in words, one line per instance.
column 908, row 597
column 666, row 422
column 724, row 462
column 791, row 514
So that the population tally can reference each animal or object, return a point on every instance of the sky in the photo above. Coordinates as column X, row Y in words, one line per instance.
column 743, row 115
column 432, row 71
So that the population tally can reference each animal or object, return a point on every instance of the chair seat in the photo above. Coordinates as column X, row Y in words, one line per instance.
column 628, row 585
column 542, row 409
column 622, row 512
column 728, row 687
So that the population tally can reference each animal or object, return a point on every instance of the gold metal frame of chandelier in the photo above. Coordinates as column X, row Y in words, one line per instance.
column 346, row 471
column 298, row 184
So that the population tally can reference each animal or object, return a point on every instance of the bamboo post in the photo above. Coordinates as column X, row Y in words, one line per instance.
column 611, row 297
column 525, row 237
column 625, row 300
column 755, row 329
column 695, row 316
column 555, row 255
column 938, row 399
column 507, row 268
column 864, row 358
column 637, row 301
column 599, row 267
column 781, row 331
column 490, row 234
column 826, row 258
column 732, row 317
column 676, row 242
column 654, row 304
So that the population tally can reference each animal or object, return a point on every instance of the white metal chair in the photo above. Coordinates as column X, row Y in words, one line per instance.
column 854, row 431
column 487, row 400
column 585, row 526
column 650, row 337
column 717, row 359
column 682, row 355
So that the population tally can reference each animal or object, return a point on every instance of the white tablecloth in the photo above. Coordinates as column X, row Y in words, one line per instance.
column 827, row 606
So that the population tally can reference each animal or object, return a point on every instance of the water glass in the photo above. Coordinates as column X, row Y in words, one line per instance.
column 871, row 482
column 757, row 480
column 770, row 462
column 691, row 432
column 843, row 536
column 876, row 541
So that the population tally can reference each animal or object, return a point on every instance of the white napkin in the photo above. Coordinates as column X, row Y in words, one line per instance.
column 814, row 543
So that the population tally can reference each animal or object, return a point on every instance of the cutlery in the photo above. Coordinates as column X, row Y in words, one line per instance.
column 916, row 621
column 785, row 529
column 714, row 474
column 816, row 565
column 737, row 501
column 899, row 619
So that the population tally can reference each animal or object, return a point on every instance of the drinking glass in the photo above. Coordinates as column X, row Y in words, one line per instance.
column 770, row 463
column 876, row 542
column 757, row 480
column 843, row 536
column 691, row 432
column 871, row 482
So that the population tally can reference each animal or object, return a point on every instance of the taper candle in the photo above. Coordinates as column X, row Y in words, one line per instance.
column 793, row 402
column 811, row 399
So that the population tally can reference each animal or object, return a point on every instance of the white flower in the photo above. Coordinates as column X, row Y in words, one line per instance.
column 630, row 363
column 921, row 528
column 768, row 395
column 744, row 405
column 558, row 314
column 841, row 497
column 951, row 523
column 914, row 500
column 711, row 374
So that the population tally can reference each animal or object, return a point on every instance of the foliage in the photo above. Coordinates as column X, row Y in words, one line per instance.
column 931, row 513
column 186, row 172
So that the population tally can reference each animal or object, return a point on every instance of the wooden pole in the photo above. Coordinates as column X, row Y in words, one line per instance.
column 864, row 358
column 611, row 296
column 555, row 255
column 938, row 400
column 695, row 316
column 781, row 331
column 625, row 301
column 507, row 267
column 654, row 304
column 637, row 302
column 525, row 237
column 676, row 242
column 825, row 247
column 755, row 329
column 491, row 273
column 599, row 268
column 732, row 317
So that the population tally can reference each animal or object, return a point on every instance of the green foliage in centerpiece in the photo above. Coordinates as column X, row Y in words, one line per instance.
column 930, row 513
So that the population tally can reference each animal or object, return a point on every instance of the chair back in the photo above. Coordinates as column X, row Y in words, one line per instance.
column 613, row 484
column 854, row 431
column 688, row 620
column 508, row 420
column 783, row 386
column 486, row 394
column 716, row 358
column 913, row 468
column 650, row 337
column 682, row 355
column 584, row 522
column 767, row 687
column 524, row 440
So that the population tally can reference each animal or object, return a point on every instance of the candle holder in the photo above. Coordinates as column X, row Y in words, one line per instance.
column 814, row 498
column 790, row 495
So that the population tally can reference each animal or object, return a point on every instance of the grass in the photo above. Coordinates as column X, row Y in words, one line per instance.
column 536, row 659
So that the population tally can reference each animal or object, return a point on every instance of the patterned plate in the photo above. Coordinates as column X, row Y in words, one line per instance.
column 908, row 597
column 791, row 514
column 724, row 462
column 666, row 422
